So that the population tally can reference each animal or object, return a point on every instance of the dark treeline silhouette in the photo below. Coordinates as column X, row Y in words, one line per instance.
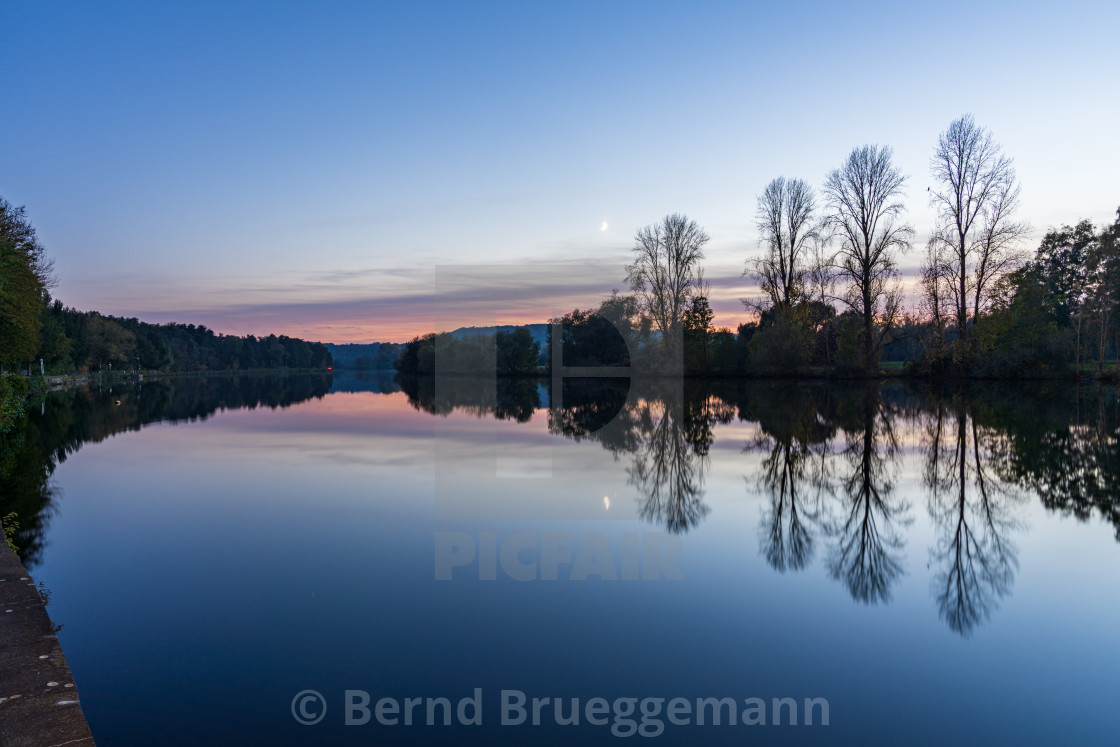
column 47, row 433
column 1051, row 316
column 511, row 352
column 832, row 300
column 88, row 341
column 375, row 356
column 33, row 326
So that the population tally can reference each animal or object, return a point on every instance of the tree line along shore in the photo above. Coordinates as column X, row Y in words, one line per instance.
column 831, row 300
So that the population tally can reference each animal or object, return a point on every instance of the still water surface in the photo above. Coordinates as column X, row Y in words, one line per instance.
column 940, row 566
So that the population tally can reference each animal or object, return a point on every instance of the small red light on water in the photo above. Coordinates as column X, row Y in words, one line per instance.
column 329, row 368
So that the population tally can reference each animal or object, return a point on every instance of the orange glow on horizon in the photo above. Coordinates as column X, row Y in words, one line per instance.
column 402, row 324
column 403, row 331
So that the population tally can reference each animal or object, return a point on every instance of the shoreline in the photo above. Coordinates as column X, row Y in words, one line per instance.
column 51, row 383
column 38, row 385
column 40, row 702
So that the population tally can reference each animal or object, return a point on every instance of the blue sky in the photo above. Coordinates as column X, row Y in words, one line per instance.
column 302, row 168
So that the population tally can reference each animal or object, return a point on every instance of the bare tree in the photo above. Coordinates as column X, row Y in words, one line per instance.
column 820, row 280
column 976, row 515
column 788, row 230
column 864, row 213
column 666, row 271
column 976, row 235
column 933, row 303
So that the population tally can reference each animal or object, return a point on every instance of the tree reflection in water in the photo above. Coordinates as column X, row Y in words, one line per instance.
column 974, row 512
column 831, row 454
column 665, row 432
column 671, row 461
column 866, row 554
column 62, row 422
column 828, row 471
column 796, row 474
column 1063, row 444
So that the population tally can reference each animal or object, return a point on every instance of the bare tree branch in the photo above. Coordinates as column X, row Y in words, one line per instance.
column 864, row 213
column 788, row 230
column 976, row 235
column 666, row 270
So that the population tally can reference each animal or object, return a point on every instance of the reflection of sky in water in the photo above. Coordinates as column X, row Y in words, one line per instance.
column 205, row 573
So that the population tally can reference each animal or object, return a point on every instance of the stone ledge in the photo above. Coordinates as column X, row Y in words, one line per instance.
column 38, row 699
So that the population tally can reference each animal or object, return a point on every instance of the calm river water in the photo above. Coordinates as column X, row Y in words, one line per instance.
column 922, row 566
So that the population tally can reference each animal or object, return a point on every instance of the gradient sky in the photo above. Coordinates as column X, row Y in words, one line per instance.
column 303, row 168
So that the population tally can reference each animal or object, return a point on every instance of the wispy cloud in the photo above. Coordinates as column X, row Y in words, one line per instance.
column 443, row 297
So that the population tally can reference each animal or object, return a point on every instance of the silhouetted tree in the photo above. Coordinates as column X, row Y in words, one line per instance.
column 788, row 229
column 697, row 335
column 864, row 213
column 517, row 352
column 665, row 273
column 590, row 339
column 1103, row 299
column 975, row 240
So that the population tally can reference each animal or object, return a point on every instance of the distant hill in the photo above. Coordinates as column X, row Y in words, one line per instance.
column 373, row 355
column 381, row 355
column 538, row 331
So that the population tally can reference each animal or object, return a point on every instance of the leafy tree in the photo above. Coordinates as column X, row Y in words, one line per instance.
column 418, row 355
column 726, row 359
column 783, row 343
column 1104, row 287
column 517, row 352
column 625, row 313
column 1062, row 261
column 110, row 342
column 387, row 353
column 1021, row 336
column 589, row 339
column 697, row 335
column 25, row 275
column 55, row 347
